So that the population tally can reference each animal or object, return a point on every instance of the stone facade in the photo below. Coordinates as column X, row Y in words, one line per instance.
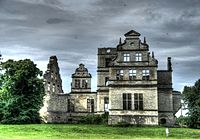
column 129, row 88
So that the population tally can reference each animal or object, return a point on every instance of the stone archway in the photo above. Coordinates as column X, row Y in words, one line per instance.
column 163, row 121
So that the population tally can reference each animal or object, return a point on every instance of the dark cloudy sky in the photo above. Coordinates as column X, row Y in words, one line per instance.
column 74, row 29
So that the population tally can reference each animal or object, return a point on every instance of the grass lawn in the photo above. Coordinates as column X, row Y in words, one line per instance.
column 68, row 131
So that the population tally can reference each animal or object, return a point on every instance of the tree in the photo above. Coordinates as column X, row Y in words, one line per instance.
column 21, row 92
column 191, row 96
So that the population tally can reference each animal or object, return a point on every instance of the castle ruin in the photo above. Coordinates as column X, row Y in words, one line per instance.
column 129, row 87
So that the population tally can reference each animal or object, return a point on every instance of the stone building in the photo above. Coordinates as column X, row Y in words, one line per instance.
column 129, row 87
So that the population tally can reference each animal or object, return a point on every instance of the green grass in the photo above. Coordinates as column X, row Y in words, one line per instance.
column 67, row 131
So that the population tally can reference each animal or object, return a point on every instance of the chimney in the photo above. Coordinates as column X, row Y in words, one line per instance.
column 169, row 64
column 120, row 40
column 144, row 40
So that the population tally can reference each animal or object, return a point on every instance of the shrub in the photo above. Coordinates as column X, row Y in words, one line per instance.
column 123, row 124
column 94, row 119
column 182, row 121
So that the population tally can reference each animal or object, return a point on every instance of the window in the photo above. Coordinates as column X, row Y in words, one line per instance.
column 106, row 81
column 145, row 74
column 138, row 101
column 77, row 83
column 107, row 61
column 120, row 74
column 106, row 104
column 132, row 74
column 53, row 88
column 70, row 105
column 49, row 86
column 108, row 50
column 126, row 57
column 90, row 105
column 84, row 83
column 138, row 57
column 127, row 101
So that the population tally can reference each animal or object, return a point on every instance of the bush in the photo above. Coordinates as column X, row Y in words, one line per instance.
column 94, row 119
column 182, row 121
column 123, row 124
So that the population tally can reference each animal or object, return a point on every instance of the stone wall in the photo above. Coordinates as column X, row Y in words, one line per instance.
column 149, row 114
column 166, row 118
column 176, row 101
column 54, row 104
column 81, row 101
column 100, row 101
column 133, row 119
column 165, row 101
column 150, row 98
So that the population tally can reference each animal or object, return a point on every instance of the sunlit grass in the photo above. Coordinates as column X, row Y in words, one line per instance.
column 67, row 131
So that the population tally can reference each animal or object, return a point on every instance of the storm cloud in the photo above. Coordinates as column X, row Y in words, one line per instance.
column 73, row 30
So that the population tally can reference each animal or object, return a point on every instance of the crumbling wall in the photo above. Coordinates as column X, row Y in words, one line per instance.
column 55, row 101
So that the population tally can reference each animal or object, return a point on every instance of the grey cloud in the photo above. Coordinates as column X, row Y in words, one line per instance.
column 74, row 31
column 55, row 20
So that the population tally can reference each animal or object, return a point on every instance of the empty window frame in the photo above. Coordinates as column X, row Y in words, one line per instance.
column 120, row 74
column 138, row 101
column 126, row 57
column 90, row 105
column 54, row 88
column 71, row 103
column 127, row 101
column 84, row 83
column 106, row 104
column 145, row 74
column 48, row 86
column 107, row 61
column 106, row 81
column 132, row 74
column 138, row 57
column 77, row 83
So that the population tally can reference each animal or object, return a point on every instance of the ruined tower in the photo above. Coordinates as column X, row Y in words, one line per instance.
column 53, row 82
column 55, row 101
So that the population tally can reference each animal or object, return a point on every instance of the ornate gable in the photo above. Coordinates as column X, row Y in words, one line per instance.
column 81, row 71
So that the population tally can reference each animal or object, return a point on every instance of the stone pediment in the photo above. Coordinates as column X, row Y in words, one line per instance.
column 81, row 71
column 132, row 33
column 81, row 68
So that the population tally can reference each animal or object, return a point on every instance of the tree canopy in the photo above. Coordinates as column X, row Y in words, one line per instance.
column 21, row 92
column 191, row 97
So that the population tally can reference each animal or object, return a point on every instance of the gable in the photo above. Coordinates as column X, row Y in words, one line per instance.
column 132, row 33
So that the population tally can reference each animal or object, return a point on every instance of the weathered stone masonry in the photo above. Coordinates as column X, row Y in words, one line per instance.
column 129, row 87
